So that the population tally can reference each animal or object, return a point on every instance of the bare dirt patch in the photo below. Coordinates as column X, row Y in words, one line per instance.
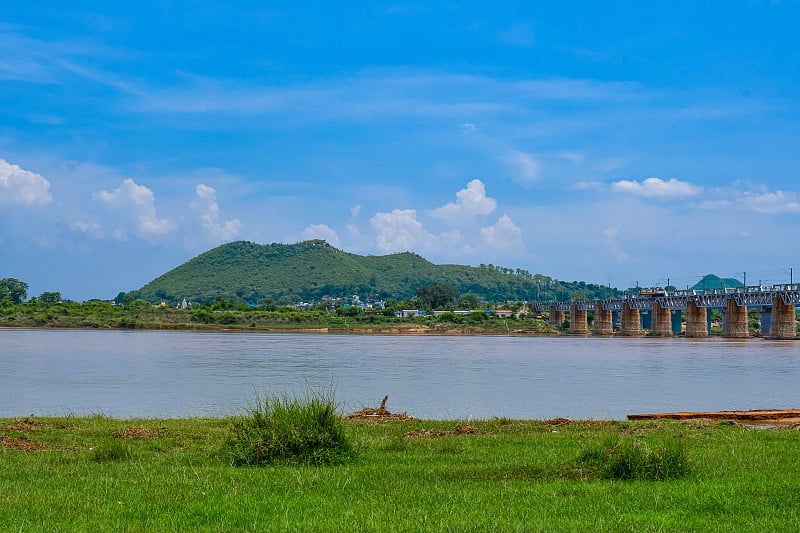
column 556, row 422
column 381, row 413
column 19, row 444
column 25, row 424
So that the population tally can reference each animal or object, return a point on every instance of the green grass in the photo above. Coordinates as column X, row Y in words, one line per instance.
column 636, row 458
column 286, row 429
column 102, row 474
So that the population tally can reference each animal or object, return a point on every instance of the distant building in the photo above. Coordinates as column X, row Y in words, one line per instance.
column 407, row 313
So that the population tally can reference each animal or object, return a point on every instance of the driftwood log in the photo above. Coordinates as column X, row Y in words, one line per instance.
column 381, row 413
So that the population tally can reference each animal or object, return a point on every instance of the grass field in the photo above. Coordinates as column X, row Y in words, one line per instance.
column 102, row 474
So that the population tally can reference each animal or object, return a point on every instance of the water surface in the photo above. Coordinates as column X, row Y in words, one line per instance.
column 177, row 374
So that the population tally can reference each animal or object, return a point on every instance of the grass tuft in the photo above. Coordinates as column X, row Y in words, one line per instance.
column 635, row 459
column 285, row 429
column 111, row 452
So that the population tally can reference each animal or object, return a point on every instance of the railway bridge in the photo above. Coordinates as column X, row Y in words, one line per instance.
column 666, row 310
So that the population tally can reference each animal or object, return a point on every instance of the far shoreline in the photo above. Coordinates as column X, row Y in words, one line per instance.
column 413, row 330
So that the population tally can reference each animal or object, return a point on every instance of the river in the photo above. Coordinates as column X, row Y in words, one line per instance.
column 152, row 374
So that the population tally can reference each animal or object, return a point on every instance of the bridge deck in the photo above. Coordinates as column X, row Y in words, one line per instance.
column 756, row 296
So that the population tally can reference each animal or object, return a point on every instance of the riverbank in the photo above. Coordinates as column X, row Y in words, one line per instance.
column 398, row 327
column 101, row 474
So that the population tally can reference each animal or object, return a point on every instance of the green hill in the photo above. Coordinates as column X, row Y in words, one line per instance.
column 710, row 281
column 311, row 270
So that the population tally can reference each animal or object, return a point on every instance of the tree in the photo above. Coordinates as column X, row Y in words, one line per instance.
column 468, row 301
column 13, row 289
column 50, row 297
column 436, row 296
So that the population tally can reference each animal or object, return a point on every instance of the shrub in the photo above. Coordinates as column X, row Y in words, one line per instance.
column 227, row 318
column 629, row 459
column 284, row 429
column 203, row 315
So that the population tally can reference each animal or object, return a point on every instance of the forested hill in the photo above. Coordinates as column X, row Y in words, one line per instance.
column 310, row 270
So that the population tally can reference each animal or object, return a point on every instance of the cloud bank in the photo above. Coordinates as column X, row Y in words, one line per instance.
column 21, row 187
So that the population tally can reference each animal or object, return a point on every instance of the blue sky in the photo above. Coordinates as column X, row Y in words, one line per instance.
column 609, row 142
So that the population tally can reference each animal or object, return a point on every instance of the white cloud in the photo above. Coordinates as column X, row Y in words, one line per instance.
column 205, row 204
column 525, row 166
column 321, row 231
column 572, row 157
column 470, row 201
column 759, row 200
column 19, row 186
column 354, row 231
column 504, row 234
column 90, row 228
column 382, row 92
column 714, row 204
column 453, row 242
column 657, row 188
column 611, row 235
column 399, row 231
column 133, row 209
column 771, row 203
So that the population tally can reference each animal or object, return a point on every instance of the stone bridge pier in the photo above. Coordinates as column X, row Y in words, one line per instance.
column 578, row 321
column 631, row 322
column 696, row 321
column 735, row 321
column 556, row 316
column 662, row 321
column 783, row 320
column 603, row 320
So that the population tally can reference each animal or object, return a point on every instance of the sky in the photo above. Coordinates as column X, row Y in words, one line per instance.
column 619, row 143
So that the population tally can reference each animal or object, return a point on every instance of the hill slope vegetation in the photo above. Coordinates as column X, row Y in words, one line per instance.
column 308, row 271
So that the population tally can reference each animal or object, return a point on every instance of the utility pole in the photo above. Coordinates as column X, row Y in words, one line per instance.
column 745, row 280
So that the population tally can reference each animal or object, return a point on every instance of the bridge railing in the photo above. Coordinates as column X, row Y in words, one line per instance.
column 745, row 296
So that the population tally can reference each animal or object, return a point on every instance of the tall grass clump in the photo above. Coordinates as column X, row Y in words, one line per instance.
column 636, row 459
column 111, row 451
column 287, row 429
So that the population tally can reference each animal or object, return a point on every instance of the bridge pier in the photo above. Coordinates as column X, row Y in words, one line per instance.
column 631, row 322
column 735, row 321
column 556, row 317
column 578, row 323
column 662, row 321
column 696, row 321
column 603, row 321
column 784, row 321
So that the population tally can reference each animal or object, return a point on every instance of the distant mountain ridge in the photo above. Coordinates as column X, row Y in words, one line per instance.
column 310, row 270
